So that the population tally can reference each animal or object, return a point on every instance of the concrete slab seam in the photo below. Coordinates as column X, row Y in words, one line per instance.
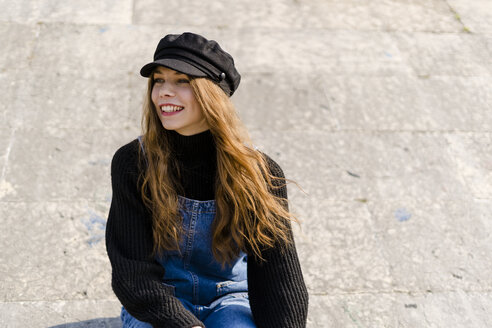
column 5, row 187
column 458, row 18
column 7, row 155
column 241, row 29
column 414, row 293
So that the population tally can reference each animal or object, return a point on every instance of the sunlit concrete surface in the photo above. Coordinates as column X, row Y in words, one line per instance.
column 380, row 110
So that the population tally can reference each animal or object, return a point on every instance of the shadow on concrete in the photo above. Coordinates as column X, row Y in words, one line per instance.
column 93, row 323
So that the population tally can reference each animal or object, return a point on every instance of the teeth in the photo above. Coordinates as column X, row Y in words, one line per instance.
column 170, row 109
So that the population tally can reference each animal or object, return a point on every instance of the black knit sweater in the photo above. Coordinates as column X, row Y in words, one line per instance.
column 277, row 293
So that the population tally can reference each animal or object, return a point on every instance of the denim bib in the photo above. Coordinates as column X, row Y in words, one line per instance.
column 192, row 272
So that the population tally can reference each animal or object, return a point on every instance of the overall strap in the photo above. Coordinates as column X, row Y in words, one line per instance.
column 140, row 141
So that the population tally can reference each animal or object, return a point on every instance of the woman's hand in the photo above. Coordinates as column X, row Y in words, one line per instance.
column 196, row 327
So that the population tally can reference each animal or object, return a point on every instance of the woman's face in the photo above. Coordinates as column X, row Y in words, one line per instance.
column 176, row 104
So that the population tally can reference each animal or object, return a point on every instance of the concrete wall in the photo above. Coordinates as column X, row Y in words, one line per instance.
column 380, row 110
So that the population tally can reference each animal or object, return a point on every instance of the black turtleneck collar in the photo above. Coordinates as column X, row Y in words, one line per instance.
column 200, row 146
column 197, row 160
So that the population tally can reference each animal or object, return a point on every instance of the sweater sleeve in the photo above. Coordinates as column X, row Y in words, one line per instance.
column 136, row 276
column 277, row 292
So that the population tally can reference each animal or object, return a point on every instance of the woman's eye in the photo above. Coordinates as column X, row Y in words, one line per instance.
column 158, row 80
column 183, row 81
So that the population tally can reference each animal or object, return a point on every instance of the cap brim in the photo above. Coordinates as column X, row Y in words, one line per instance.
column 175, row 64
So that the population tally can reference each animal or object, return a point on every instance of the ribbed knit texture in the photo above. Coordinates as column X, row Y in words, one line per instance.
column 197, row 160
column 277, row 293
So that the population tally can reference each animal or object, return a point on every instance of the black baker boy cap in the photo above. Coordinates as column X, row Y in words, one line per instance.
column 194, row 55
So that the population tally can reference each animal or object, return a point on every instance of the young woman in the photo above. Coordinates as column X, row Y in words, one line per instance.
column 199, row 231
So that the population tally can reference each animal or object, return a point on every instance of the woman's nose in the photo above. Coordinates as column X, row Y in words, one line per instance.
column 166, row 90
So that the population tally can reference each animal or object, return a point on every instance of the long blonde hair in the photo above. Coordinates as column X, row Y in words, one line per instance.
column 250, row 217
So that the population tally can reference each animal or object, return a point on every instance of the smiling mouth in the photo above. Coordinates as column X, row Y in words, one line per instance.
column 171, row 108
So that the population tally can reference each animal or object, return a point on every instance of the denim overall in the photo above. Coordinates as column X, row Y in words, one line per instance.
column 216, row 295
